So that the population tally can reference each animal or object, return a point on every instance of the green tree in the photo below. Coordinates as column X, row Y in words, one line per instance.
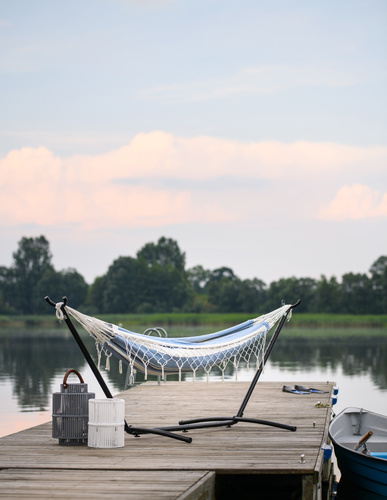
column 328, row 295
column 225, row 295
column 6, row 290
column 198, row 278
column 166, row 288
column 290, row 290
column 221, row 273
column 56, row 284
column 95, row 295
column 131, row 285
column 357, row 294
column 165, row 253
column 124, row 286
column 31, row 260
column 252, row 296
column 51, row 284
column 378, row 272
column 74, row 286
column 223, row 290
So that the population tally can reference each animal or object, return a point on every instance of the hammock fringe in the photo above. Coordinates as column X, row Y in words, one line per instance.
column 164, row 356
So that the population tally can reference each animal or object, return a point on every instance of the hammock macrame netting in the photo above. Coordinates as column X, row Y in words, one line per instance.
column 164, row 356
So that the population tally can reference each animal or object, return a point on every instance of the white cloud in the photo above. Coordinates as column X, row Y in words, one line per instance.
column 356, row 202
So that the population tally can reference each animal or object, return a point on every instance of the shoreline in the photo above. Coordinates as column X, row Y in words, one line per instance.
column 299, row 320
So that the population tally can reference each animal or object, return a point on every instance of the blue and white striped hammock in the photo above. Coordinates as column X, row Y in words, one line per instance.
column 164, row 356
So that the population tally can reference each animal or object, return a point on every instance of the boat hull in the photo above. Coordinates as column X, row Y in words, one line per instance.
column 361, row 470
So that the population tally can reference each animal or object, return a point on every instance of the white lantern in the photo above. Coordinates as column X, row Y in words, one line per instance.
column 106, row 423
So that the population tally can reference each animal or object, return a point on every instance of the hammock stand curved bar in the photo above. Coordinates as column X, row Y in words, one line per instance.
column 160, row 356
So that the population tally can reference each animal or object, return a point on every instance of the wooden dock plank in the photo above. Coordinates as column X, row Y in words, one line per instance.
column 244, row 448
column 139, row 485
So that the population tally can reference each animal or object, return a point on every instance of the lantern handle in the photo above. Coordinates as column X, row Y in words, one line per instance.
column 65, row 384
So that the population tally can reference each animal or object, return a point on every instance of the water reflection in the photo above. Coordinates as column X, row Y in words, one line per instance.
column 355, row 355
column 31, row 359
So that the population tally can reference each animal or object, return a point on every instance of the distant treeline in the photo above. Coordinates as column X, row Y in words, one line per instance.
column 156, row 280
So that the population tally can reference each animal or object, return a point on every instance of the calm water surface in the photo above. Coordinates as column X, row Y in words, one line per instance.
column 34, row 361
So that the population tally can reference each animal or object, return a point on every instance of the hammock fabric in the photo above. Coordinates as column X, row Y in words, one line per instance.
column 163, row 356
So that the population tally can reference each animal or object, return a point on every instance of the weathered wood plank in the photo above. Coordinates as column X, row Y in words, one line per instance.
column 243, row 449
column 141, row 485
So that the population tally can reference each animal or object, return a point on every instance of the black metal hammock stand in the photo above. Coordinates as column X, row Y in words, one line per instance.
column 185, row 425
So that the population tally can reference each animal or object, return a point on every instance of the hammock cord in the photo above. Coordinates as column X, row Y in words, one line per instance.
column 58, row 311
column 163, row 356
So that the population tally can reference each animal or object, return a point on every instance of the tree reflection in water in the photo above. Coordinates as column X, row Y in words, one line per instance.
column 32, row 358
column 356, row 355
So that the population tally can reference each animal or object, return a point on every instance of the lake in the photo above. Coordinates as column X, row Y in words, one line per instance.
column 33, row 362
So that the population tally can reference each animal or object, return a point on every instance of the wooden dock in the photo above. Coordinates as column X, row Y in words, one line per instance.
column 243, row 461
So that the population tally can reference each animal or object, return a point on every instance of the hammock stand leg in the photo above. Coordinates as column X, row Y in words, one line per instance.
column 135, row 431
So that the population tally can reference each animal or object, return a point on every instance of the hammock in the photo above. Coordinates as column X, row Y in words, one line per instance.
column 164, row 356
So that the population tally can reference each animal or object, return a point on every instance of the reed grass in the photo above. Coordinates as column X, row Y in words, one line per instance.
column 130, row 321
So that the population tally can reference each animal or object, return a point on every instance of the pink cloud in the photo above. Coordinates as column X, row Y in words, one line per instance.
column 116, row 189
column 356, row 202
column 203, row 157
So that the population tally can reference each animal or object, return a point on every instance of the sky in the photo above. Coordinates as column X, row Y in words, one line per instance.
column 252, row 133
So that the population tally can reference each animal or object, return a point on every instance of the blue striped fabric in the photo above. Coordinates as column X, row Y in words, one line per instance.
column 154, row 360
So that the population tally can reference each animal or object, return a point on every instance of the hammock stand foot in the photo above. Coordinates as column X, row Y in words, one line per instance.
column 235, row 420
column 205, row 423
column 137, row 431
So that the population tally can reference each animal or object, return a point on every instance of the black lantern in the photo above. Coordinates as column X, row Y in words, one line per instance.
column 70, row 412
